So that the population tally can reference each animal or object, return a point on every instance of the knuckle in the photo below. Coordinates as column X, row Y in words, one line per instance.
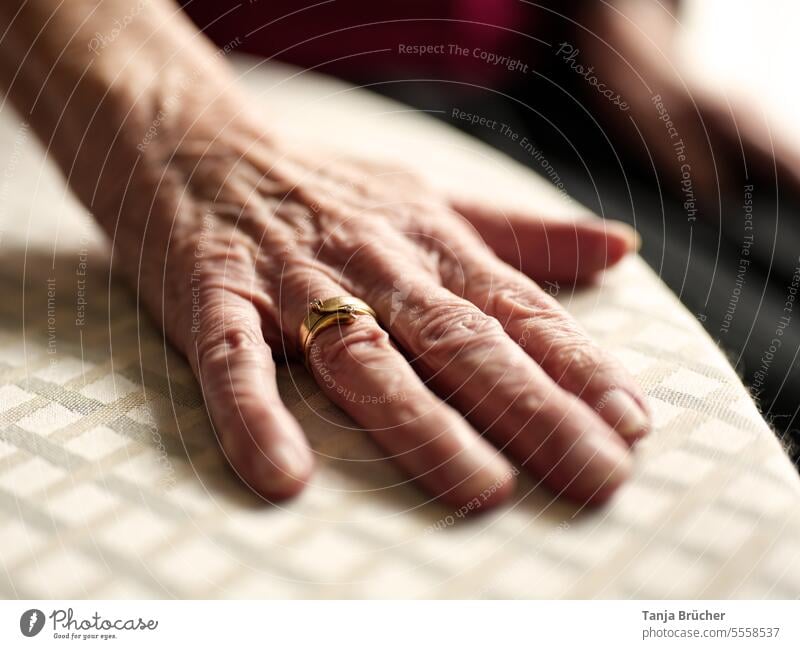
column 458, row 329
column 486, row 281
column 224, row 333
column 542, row 325
column 538, row 326
column 359, row 341
column 206, row 242
column 524, row 301
column 579, row 357
column 361, row 238
column 231, row 254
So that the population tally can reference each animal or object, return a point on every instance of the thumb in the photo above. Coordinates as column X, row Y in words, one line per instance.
column 550, row 248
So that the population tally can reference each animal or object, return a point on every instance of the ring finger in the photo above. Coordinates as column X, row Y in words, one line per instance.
column 364, row 374
column 470, row 359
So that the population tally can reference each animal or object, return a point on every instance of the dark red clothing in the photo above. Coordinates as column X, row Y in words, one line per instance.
column 375, row 40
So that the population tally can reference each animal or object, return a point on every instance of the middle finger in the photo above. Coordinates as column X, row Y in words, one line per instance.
column 468, row 357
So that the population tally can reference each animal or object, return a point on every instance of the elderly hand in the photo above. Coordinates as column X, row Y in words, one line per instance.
column 230, row 234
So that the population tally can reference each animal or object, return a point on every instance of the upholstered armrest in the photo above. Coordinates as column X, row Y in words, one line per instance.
column 112, row 484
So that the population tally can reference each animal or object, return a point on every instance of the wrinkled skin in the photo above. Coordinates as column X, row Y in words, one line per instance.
column 228, row 234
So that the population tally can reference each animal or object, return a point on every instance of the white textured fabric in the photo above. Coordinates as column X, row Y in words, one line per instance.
column 111, row 484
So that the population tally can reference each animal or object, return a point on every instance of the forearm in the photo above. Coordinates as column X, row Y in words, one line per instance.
column 92, row 77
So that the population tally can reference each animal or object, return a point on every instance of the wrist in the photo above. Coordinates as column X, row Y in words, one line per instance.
column 101, row 96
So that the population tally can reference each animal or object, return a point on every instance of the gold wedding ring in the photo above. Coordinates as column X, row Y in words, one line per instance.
column 323, row 314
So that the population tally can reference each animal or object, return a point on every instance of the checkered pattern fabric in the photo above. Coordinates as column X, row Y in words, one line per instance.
column 112, row 484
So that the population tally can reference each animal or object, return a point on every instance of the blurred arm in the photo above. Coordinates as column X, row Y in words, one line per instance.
column 91, row 76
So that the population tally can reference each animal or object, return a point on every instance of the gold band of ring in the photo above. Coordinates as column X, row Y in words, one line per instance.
column 323, row 314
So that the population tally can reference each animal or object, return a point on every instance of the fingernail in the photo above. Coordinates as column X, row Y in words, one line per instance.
column 631, row 236
column 286, row 464
column 609, row 466
column 476, row 477
column 624, row 414
column 637, row 241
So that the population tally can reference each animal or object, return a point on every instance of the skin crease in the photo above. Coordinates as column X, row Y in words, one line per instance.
column 226, row 231
column 283, row 230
